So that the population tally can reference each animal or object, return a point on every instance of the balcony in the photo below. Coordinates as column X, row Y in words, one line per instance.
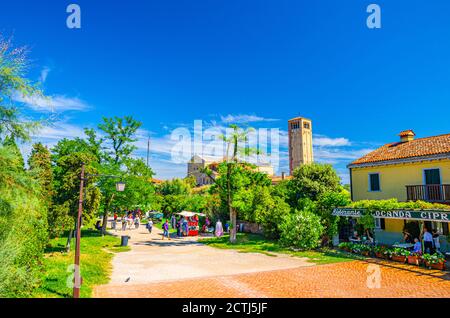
column 436, row 193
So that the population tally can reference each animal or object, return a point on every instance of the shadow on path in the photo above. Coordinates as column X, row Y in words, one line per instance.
column 419, row 271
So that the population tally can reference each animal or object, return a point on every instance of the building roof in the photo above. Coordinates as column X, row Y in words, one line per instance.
column 408, row 132
column 298, row 118
column 420, row 147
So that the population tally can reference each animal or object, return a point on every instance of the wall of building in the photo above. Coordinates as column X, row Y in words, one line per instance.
column 394, row 179
column 393, row 182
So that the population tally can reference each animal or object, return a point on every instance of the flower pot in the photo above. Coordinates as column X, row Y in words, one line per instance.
column 398, row 258
column 381, row 255
column 439, row 266
column 414, row 260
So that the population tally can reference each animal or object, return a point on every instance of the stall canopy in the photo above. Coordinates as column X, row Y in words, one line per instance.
column 190, row 214
column 420, row 215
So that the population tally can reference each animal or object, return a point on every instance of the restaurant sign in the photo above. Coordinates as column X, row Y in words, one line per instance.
column 421, row 215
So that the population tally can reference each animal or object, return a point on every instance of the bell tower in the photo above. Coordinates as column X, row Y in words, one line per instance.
column 300, row 142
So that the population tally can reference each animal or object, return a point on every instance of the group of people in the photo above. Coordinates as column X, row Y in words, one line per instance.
column 182, row 227
column 431, row 244
column 128, row 220
column 132, row 219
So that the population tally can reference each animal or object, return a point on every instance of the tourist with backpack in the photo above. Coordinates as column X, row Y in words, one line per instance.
column 150, row 226
column 166, row 230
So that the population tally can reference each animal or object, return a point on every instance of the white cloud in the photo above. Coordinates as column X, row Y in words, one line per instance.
column 331, row 142
column 58, row 131
column 327, row 155
column 53, row 103
column 44, row 74
column 239, row 119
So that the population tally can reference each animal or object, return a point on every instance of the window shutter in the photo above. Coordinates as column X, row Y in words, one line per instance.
column 382, row 224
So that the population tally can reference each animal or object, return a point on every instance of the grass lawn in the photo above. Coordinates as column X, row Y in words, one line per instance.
column 253, row 243
column 95, row 263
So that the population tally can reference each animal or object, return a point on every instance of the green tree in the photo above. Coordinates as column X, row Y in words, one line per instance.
column 23, row 228
column 311, row 181
column 269, row 210
column 66, row 197
column 13, row 82
column 175, row 187
column 139, row 191
column 120, row 136
column 233, row 174
column 40, row 168
column 10, row 142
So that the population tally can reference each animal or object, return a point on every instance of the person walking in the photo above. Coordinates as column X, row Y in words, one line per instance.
column 137, row 222
column 150, row 226
column 124, row 222
column 185, row 225
column 173, row 221
column 114, row 223
column 130, row 220
column 219, row 229
column 166, row 230
column 178, row 226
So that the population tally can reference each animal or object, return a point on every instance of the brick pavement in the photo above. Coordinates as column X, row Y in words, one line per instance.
column 333, row 280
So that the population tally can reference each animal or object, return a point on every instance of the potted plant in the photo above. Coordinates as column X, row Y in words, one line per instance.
column 414, row 259
column 435, row 261
column 381, row 251
column 365, row 250
column 399, row 254
column 346, row 246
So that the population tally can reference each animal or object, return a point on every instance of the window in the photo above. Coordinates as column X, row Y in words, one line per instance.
column 432, row 176
column 295, row 125
column 306, row 126
column 374, row 182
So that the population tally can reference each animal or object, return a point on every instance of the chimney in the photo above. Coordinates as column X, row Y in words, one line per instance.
column 283, row 175
column 407, row 135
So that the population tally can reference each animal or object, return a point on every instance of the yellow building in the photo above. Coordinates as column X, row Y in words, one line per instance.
column 409, row 170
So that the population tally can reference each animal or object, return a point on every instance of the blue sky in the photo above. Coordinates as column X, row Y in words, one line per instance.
column 168, row 63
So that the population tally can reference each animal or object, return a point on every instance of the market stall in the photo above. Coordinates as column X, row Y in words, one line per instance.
column 192, row 220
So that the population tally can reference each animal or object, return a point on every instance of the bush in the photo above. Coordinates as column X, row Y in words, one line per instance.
column 301, row 230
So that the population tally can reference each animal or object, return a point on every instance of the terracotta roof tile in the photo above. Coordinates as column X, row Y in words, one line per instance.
column 402, row 150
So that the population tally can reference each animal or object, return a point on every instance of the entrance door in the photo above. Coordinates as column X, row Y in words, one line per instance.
column 432, row 178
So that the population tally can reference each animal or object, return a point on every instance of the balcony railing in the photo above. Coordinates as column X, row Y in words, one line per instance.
column 430, row 192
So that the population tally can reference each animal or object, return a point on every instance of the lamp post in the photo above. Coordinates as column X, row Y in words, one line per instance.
column 120, row 187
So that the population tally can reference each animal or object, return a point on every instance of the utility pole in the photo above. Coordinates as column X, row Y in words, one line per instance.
column 77, row 278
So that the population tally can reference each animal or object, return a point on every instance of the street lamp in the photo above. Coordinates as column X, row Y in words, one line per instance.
column 120, row 187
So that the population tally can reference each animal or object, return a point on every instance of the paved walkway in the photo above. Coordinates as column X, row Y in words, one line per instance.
column 186, row 269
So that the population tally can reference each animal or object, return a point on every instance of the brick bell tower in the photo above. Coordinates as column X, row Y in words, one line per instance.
column 300, row 143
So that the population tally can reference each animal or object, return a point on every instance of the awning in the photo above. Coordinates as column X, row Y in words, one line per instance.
column 190, row 214
column 420, row 215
